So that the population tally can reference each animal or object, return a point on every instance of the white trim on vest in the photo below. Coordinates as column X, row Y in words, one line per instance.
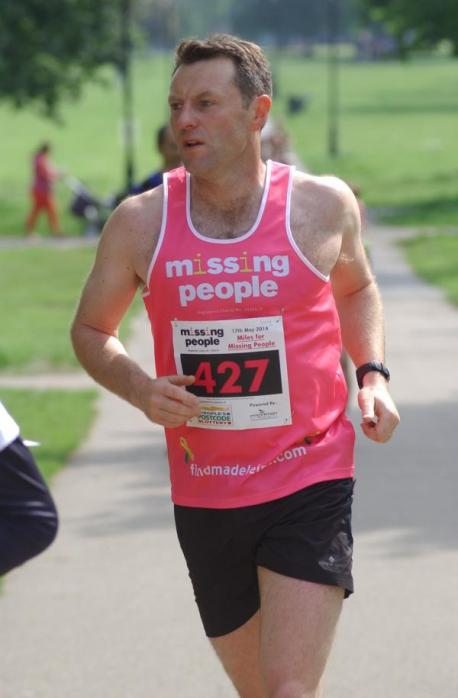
column 228, row 241
column 165, row 197
column 293, row 243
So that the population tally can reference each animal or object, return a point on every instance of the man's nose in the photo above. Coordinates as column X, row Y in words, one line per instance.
column 186, row 118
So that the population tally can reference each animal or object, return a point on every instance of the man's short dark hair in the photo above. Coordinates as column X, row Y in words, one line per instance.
column 253, row 75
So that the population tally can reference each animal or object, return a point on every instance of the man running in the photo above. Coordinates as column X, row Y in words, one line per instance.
column 244, row 266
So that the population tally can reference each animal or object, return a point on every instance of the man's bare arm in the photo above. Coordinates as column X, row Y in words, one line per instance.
column 119, row 269
column 361, row 317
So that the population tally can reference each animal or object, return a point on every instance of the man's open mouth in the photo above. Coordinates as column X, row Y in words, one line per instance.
column 192, row 143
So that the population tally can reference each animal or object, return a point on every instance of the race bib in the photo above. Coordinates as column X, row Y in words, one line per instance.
column 240, row 371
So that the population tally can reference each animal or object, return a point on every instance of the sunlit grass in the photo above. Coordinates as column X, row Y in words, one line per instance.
column 435, row 259
column 57, row 419
column 39, row 291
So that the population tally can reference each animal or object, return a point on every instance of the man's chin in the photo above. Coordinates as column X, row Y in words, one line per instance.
column 197, row 166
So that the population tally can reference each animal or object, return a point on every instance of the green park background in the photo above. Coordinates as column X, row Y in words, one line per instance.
column 397, row 142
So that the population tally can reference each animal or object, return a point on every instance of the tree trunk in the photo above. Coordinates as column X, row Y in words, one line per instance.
column 402, row 48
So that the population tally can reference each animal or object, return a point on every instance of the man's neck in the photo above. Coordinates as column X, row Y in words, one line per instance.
column 227, row 207
column 234, row 188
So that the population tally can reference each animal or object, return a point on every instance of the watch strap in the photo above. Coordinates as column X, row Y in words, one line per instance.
column 371, row 366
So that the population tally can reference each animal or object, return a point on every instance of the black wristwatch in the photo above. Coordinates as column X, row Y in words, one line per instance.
column 371, row 366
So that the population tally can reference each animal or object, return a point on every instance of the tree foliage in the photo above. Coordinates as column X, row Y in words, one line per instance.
column 286, row 19
column 48, row 49
column 415, row 24
column 165, row 22
column 289, row 20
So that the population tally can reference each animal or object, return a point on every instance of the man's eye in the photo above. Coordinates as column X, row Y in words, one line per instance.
column 174, row 106
column 205, row 103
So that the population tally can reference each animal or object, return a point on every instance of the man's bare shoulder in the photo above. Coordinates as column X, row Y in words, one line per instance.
column 323, row 209
column 136, row 212
column 325, row 194
column 133, row 229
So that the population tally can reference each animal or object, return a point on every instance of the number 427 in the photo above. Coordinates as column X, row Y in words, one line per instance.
column 204, row 376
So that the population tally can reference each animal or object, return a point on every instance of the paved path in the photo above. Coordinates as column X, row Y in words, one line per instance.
column 108, row 611
column 46, row 241
column 399, row 634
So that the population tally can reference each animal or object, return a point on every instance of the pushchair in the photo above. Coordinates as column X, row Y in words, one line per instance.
column 84, row 205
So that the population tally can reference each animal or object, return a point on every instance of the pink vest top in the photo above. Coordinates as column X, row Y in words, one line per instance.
column 256, row 323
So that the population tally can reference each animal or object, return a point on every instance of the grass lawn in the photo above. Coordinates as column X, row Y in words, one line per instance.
column 39, row 291
column 58, row 419
column 435, row 259
column 397, row 135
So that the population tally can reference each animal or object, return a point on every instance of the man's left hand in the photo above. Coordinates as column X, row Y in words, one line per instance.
column 379, row 414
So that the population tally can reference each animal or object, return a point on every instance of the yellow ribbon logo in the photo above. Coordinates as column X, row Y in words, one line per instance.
column 188, row 454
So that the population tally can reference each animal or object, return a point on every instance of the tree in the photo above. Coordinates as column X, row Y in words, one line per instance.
column 289, row 20
column 415, row 24
column 440, row 21
column 206, row 17
column 48, row 49
column 165, row 22
column 159, row 22
column 281, row 19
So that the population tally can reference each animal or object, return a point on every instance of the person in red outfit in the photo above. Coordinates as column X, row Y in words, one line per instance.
column 44, row 175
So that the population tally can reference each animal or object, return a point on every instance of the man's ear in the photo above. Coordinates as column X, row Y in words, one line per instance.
column 261, row 107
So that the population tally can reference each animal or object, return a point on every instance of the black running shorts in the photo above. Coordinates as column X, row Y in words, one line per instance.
column 28, row 516
column 306, row 535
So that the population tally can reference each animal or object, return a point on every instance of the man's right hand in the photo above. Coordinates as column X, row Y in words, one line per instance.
column 167, row 402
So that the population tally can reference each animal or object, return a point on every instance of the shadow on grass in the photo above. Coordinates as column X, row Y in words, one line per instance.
column 441, row 210
column 398, row 108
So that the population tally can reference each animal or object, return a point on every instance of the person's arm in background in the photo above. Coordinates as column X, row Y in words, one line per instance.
column 361, row 317
column 122, row 257
column 151, row 182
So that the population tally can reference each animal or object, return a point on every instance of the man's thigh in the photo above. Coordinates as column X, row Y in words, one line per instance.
column 285, row 646
column 238, row 652
column 310, row 537
column 297, row 626
column 306, row 536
